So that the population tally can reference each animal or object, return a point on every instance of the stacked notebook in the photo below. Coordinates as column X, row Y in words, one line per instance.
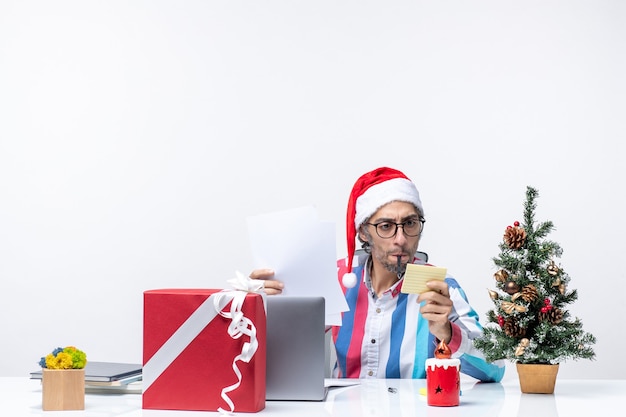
column 100, row 376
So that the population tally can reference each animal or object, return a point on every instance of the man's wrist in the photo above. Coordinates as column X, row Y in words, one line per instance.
column 445, row 334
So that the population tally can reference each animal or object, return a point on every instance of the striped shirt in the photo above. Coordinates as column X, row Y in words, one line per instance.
column 387, row 337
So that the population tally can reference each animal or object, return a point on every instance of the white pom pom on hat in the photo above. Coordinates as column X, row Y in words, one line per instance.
column 349, row 279
column 370, row 192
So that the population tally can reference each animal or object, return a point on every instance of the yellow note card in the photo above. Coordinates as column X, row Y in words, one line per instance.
column 416, row 277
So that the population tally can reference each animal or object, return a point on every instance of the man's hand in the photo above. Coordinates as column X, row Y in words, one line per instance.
column 436, row 309
column 271, row 286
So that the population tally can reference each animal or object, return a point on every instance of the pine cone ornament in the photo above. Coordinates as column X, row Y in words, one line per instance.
column 515, row 237
column 512, row 328
column 551, row 315
column 529, row 293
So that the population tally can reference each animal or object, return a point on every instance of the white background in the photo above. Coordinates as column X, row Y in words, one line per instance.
column 136, row 137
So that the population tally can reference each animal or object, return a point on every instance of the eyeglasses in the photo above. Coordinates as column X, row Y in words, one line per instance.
column 410, row 228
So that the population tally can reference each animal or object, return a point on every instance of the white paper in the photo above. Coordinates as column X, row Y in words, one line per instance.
column 301, row 250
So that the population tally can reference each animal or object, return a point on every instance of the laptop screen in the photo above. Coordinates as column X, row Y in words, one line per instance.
column 296, row 347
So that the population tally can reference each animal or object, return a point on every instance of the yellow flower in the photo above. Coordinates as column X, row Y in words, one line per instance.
column 61, row 361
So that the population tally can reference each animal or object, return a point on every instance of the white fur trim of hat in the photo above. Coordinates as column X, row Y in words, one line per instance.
column 396, row 189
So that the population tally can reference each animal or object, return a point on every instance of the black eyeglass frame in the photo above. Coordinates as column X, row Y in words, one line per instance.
column 420, row 220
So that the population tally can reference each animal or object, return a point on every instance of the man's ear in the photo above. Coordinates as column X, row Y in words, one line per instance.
column 362, row 237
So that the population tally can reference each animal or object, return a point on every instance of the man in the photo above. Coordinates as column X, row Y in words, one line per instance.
column 387, row 333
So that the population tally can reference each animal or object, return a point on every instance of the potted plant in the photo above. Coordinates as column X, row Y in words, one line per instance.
column 63, row 379
column 530, row 324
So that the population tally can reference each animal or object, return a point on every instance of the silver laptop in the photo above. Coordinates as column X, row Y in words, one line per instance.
column 296, row 344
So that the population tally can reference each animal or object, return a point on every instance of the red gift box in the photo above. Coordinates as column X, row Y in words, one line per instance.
column 191, row 361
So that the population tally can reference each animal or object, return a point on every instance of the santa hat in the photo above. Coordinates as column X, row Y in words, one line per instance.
column 369, row 193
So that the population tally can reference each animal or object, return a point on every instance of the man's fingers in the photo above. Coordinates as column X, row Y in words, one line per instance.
column 262, row 273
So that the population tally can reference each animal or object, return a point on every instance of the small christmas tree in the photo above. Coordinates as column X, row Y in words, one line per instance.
column 530, row 322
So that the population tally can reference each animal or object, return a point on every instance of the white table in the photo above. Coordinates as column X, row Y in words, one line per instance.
column 22, row 397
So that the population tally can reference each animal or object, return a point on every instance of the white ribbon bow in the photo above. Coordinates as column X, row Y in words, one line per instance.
column 239, row 326
column 244, row 283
